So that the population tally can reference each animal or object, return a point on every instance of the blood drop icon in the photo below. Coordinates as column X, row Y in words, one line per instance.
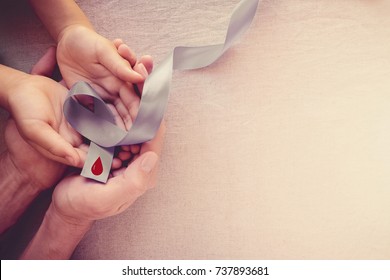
column 97, row 167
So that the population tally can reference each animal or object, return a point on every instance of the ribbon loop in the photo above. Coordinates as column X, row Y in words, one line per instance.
column 97, row 125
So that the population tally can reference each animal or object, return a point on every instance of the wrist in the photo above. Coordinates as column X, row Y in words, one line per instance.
column 17, row 193
column 71, row 28
column 57, row 236
column 57, row 15
column 13, row 177
column 9, row 79
column 23, row 176
column 73, row 224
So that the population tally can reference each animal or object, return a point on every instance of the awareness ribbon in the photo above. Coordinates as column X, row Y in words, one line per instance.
column 99, row 125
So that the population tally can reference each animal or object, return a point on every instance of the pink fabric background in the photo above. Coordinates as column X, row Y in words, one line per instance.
column 280, row 150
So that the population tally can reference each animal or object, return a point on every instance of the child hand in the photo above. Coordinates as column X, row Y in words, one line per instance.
column 35, row 103
column 84, row 55
column 111, row 68
column 39, row 171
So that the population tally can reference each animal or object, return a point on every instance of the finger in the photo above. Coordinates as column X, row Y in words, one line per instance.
column 117, row 42
column 46, row 64
column 108, row 87
column 70, row 134
column 72, row 137
column 135, row 149
column 116, row 163
column 118, row 66
column 123, row 155
column 124, row 114
column 117, row 118
column 127, row 53
column 46, row 140
column 133, row 181
column 127, row 105
column 82, row 150
column 125, row 148
column 147, row 62
column 84, row 147
column 140, row 68
column 82, row 155
column 118, row 172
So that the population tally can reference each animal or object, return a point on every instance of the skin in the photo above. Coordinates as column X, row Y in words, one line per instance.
column 77, row 202
column 110, row 67
column 37, row 128
column 28, row 171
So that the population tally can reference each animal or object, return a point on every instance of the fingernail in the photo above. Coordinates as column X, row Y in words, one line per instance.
column 149, row 162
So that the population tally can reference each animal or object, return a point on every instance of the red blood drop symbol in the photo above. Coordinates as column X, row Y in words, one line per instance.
column 97, row 167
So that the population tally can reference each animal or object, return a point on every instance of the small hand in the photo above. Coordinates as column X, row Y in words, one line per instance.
column 35, row 103
column 51, row 133
column 111, row 68
column 84, row 55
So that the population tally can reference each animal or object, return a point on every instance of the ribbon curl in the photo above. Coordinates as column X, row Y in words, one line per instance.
column 99, row 125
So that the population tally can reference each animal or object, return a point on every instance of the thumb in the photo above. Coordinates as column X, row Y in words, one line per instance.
column 51, row 144
column 133, row 182
column 119, row 66
column 46, row 64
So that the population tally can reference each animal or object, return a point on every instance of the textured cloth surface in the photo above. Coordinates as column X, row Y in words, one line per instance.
column 280, row 150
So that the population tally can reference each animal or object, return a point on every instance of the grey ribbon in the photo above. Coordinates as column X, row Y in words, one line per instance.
column 99, row 126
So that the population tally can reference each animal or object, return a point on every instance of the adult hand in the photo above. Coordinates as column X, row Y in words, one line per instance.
column 78, row 200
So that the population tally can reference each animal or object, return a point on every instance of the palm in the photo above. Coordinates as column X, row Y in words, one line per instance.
column 80, row 198
column 83, row 55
